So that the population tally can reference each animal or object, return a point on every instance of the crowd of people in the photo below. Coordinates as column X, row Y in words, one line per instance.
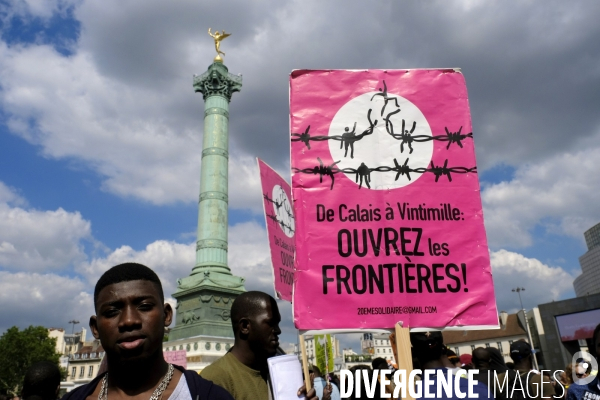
column 495, row 378
column 131, row 316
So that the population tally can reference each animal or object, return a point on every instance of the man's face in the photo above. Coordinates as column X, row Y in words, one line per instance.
column 264, row 330
column 131, row 319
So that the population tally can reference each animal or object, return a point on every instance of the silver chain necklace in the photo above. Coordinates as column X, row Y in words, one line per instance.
column 103, row 395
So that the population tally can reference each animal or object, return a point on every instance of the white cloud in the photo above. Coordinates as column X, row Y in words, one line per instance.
column 559, row 193
column 169, row 260
column 10, row 195
column 34, row 240
column 123, row 131
column 542, row 283
column 42, row 299
column 44, row 9
column 248, row 257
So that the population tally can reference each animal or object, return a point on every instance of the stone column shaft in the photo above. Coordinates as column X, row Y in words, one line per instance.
column 211, row 245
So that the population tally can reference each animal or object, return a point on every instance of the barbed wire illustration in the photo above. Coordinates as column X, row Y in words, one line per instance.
column 406, row 136
column 363, row 172
column 275, row 218
column 386, row 98
column 274, row 202
column 347, row 139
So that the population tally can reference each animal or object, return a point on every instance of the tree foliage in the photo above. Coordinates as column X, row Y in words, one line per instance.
column 19, row 350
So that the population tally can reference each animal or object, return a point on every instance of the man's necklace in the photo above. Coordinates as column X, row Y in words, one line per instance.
column 103, row 395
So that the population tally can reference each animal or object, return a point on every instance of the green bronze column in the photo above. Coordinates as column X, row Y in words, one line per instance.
column 204, row 298
column 217, row 85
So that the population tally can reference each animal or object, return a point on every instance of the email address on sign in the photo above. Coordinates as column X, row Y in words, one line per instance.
column 397, row 310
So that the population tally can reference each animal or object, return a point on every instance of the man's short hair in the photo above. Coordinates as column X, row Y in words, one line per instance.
column 248, row 305
column 127, row 272
column 42, row 379
column 481, row 357
column 316, row 371
column 379, row 363
column 427, row 346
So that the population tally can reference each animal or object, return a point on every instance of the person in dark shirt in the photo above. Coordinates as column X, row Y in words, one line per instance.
column 428, row 348
column 537, row 385
column 130, row 322
column 244, row 371
column 42, row 381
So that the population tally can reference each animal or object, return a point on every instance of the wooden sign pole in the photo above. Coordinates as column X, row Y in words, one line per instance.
column 305, row 363
column 404, row 358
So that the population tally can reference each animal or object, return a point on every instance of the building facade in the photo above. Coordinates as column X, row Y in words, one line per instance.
column 84, row 364
column 66, row 343
column 201, row 351
column 512, row 328
column 377, row 345
column 568, row 328
column 311, row 354
column 589, row 281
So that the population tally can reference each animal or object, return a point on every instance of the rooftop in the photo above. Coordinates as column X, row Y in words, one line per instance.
column 512, row 328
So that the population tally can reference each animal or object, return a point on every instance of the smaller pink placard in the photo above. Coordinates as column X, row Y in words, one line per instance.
column 281, row 228
column 176, row 357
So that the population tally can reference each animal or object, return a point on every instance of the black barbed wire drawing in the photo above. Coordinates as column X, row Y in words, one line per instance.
column 384, row 93
column 284, row 226
column 404, row 135
column 275, row 218
column 411, row 133
column 305, row 137
column 322, row 170
column 274, row 202
column 347, row 139
column 439, row 171
column 407, row 138
column 456, row 137
column 289, row 213
column 363, row 172
column 403, row 169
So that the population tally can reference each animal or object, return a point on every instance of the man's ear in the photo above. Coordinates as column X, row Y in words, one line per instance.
column 94, row 327
column 244, row 326
column 168, row 314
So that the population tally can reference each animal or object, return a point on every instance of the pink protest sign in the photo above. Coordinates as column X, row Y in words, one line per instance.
column 281, row 227
column 177, row 357
column 387, row 201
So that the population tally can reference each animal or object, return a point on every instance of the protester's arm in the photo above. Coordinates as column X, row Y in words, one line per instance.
column 327, row 392
column 311, row 395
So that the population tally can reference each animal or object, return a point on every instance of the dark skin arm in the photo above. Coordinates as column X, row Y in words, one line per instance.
column 311, row 395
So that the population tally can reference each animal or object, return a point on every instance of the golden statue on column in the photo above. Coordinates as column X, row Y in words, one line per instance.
column 218, row 36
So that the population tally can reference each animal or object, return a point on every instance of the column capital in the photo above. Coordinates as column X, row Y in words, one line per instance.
column 217, row 81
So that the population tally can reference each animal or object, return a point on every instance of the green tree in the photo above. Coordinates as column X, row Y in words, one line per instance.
column 19, row 350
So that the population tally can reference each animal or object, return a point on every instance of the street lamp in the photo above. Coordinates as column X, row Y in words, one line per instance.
column 519, row 290
column 74, row 322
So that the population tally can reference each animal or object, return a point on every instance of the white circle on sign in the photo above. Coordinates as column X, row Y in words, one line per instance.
column 284, row 211
column 380, row 148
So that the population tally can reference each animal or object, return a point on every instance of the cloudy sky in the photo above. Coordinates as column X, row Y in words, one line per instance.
column 100, row 131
